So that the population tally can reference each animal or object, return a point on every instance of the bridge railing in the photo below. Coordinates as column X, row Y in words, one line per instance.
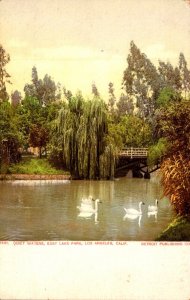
column 134, row 152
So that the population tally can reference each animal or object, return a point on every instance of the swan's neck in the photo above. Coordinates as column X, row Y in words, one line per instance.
column 96, row 205
column 140, row 204
column 96, row 217
column 139, row 221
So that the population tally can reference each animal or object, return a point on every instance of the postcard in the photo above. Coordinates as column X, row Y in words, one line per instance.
column 94, row 139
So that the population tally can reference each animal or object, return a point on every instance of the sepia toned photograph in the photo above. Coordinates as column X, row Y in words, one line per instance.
column 95, row 142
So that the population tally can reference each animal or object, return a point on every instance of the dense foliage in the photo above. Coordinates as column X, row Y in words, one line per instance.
column 85, row 135
column 178, row 230
column 32, row 165
column 4, row 76
column 174, row 125
column 83, row 127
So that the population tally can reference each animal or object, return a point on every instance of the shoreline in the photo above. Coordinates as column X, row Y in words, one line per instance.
column 177, row 230
column 34, row 177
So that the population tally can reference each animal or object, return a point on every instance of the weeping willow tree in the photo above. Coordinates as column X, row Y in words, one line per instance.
column 83, row 127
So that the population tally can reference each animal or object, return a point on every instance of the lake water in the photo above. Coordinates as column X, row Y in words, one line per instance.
column 47, row 210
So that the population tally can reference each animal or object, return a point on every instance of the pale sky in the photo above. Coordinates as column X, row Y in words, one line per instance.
column 78, row 42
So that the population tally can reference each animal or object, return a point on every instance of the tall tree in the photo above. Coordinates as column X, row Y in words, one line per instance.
column 141, row 81
column 83, row 127
column 16, row 98
column 185, row 76
column 169, row 76
column 31, row 89
column 95, row 91
column 4, row 76
column 167, row 96
column 67, row 93
column 45, row 90
column 38, row 137
column 34, row 121
column 10, row 136
column 135, row 131
column 112, row 98
column 125, row 105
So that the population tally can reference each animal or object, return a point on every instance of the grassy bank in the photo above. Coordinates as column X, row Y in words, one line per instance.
column 38, row 166
column 178, row 230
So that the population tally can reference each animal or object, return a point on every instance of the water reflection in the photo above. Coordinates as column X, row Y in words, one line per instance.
column 133, row 217
column 38, row 182
column 153, row 214
column 50, row 211
column 87, row 215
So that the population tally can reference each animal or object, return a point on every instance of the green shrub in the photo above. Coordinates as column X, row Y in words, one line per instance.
column 178, row 230
column 34, row 166
column 156, row 152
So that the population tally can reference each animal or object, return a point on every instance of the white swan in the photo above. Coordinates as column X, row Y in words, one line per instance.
column 87, row 201
column 86, row 204
column 88, row 208
column 132, row 211
column 152, row 208
column 85, row 214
